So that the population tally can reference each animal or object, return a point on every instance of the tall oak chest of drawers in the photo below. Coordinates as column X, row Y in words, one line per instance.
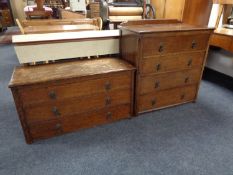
column 169, row 58
column 63, row 97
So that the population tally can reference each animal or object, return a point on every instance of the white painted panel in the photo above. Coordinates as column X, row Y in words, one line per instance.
column 64, row 36
column 65, row 50
column 214, row 15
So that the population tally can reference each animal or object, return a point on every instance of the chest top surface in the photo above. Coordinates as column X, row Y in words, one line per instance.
column 168, row 27
column 26, row 75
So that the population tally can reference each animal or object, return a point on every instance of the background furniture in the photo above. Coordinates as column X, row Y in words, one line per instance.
column 64, row 97
column 223, row 37
column 78, row 5
column 197, row 12
column 169, row 9
column 55, row 5
column 169, row 59
column 165, row 9
column 95, row 9
column 32, row 13
column 6, row 19
column 68, row 14
column 58, row 25
column 189, row 11
column 119, row 11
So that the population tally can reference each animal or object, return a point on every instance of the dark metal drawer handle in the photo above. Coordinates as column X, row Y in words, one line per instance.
column 194, row 44
column 161, row 47
column 182, row 96
column 186, row 80
column 108, row 86
column 56, row 112
column 58, row 126
column 190, row 62
column 157, row 84
column 158, row 67
column 108, row 101
column 52, row 95
column 153, row 102
column 109, row 115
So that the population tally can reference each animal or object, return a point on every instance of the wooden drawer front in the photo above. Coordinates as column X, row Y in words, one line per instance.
column 76, row 122
column 170, row 80
column 163, row 45
column 82, row 88
column 45, row 129
column 52, row 128
column 172, row 62
column 221, row 41
column 57, row 109
column 166, row 98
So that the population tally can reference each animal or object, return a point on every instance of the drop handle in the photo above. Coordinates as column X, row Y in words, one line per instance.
column 186, row 80
column 56, row 112
column 161, row 47
column 190, row 62
column 58, row 126
column 108, row 86
column 157, row 84
column 194, row 44
column 109, row 115
column 108, row 101
column 158, row 67
column 153, row 102
column 182, row 96
column 52, row 95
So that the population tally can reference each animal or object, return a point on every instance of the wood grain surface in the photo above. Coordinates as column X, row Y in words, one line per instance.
column 169, row 59
column 63, row 97
column 74, row 69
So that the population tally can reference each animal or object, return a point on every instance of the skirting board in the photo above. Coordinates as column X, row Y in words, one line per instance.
column 56, row 48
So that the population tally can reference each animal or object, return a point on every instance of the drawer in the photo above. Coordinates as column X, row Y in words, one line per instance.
column 170, row 44
column 45, row 129
column 166, row 98
column 159, row 82
column 32, row 95
column 60, row 108
column 221, row 41
column 174, row 62
column 76, row 122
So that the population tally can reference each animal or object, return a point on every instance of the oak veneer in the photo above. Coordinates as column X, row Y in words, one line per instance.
column 223, row 38
column 197, row 12
column 63, row 97
column 167, row 63
column 58, row 25
column 169, row 59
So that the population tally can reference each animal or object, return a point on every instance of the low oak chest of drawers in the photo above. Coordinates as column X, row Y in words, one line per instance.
column 64, row 97
column 169, row 59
